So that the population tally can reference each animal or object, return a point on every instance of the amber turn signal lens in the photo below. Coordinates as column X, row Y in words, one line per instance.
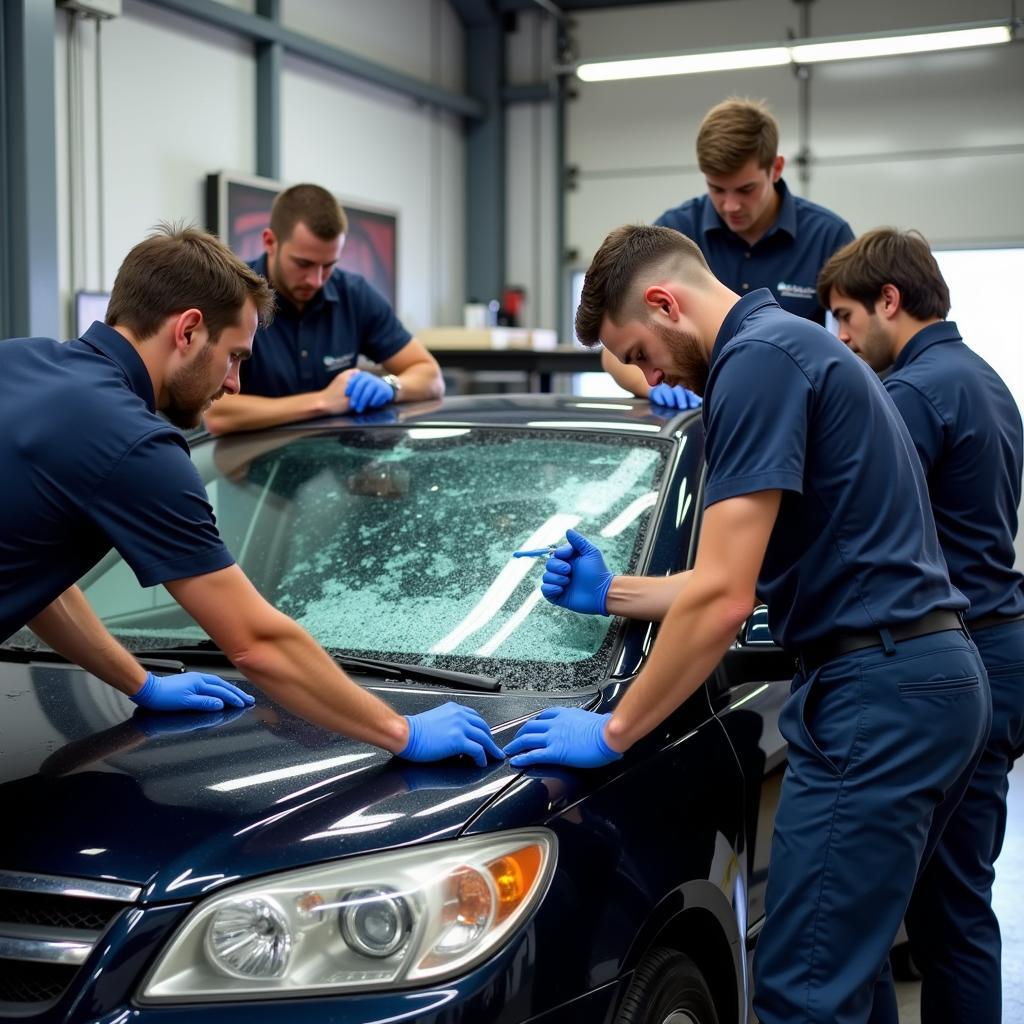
column 514, row 875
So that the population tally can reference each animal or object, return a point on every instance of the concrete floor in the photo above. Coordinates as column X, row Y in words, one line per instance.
column 1008, row 899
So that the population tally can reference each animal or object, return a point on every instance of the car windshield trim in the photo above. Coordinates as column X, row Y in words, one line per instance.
column 392, row 544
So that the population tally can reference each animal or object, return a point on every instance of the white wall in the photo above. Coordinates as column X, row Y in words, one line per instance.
column 179, row 102
column 934, row 141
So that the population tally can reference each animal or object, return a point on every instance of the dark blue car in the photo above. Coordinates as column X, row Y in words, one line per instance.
column 248, row 866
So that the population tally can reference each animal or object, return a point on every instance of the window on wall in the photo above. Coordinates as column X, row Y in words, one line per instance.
column 984, row 288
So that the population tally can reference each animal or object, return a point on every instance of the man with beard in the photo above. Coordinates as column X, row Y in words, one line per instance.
column 752, row 230
column 304, row 362
column 88, row 465
column 888, row 295
column 815, row 502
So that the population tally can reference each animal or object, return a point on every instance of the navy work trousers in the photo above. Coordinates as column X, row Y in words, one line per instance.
column 881, row 748
column 953, row 930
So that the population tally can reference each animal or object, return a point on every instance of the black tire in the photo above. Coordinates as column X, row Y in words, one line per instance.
column 667, row 988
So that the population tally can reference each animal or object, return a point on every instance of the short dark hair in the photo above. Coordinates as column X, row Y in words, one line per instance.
column 310, row 205
column 178, row 268
column 624, row 255
column 733, row 132
column 887, row 256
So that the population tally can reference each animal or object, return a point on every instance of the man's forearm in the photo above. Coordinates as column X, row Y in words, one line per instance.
column 629, row 378
column 233, row 413
column 695, row 633
column 647, row 598
column 280, row 657
column 291, row 667
column 73, row 630
column 421, row 382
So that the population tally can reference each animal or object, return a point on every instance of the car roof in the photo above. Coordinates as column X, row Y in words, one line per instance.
column 540, row 411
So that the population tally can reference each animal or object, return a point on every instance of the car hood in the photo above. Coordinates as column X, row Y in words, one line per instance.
column 181, row 804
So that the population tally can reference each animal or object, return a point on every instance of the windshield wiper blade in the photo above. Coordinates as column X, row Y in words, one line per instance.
column 420, row 673
column 208, row 650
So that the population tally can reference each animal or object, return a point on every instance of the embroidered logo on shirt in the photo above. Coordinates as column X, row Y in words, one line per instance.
column 332, row 363
column 795, row 291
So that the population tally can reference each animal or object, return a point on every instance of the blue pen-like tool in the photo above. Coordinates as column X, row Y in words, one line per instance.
column 536, row 552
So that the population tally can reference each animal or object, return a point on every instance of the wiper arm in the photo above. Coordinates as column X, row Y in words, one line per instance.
column 419, row 673
column 208, row 650
column 27, row 655
column 170, row 657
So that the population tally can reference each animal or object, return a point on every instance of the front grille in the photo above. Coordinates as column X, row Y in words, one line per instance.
column 48, row 928
column 57, row 911
column 28, row 982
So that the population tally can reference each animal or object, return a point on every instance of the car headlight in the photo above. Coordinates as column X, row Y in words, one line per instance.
column 389, row 920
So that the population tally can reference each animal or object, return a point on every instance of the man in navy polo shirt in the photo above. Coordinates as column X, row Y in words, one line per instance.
column 304, row 362
column 890, row 300
column 88, row 465
column 752, row 230
column 815, row 502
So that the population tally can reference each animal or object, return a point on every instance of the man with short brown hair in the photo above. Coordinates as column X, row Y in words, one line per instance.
column 88, row 465
column 752, row 230
column 814, row 504
column 304, row 363
column 891, row 302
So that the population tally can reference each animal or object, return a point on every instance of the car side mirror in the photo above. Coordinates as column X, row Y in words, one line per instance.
column 756, row 632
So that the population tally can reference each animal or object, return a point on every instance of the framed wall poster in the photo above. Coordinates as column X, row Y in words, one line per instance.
column 238, row 209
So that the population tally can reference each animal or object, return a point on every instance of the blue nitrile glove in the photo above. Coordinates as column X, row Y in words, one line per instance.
column 449, row 730
column 674, row 396
column 576, row 577
column 190, row 691
column 569, row 736
column 367, row 391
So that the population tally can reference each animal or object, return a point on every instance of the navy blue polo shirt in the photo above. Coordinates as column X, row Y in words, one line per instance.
column 87, row 465
column 787, row 259
column 302, row 352
column 967, row 430
column 787, row 406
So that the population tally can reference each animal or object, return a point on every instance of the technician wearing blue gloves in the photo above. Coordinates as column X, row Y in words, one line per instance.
column 814, row 501
column 752, row 230
column 88, row 465
column 890, row 300
column 304, row 362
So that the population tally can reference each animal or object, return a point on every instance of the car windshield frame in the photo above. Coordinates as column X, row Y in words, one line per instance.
column 617, row 479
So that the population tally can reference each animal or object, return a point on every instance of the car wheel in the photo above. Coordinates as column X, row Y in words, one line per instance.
column 667, row 988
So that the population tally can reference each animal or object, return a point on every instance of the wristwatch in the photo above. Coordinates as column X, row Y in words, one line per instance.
column 394, row 382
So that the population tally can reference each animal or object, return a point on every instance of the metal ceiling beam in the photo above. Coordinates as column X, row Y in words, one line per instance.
column 264, row 30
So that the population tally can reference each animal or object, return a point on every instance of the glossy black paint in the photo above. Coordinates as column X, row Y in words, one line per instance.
column 659, row 848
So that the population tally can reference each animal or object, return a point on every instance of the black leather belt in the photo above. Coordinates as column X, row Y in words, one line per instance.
column 816, row 654
column 987, row 621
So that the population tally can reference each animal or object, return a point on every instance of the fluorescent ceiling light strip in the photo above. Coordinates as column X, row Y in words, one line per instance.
column 889, row 46
column 684, row 64
column 809, row 52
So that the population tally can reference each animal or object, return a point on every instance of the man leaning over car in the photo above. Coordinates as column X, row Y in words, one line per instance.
column 88, row 465
column 814, row 501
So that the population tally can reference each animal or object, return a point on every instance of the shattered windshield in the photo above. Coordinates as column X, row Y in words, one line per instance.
column 397, row 543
